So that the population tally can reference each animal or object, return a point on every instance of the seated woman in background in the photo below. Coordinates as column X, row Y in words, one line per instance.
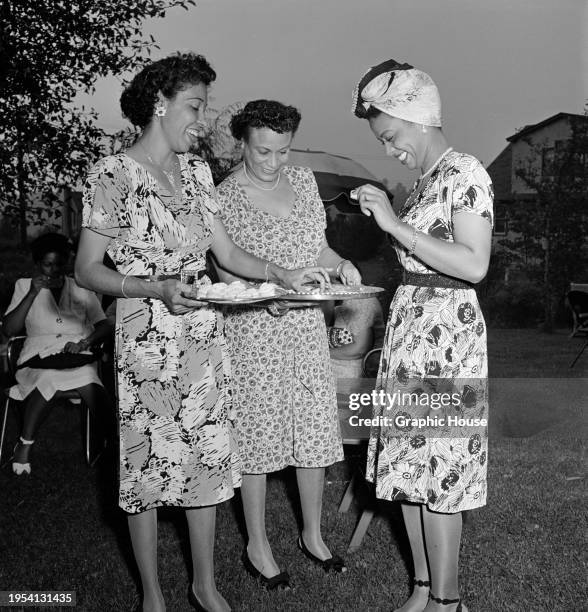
column 62, row 323
column 355, row 327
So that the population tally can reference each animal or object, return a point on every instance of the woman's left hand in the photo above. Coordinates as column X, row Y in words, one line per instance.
column 76, row 347
column 374, row 202
column 349, row 274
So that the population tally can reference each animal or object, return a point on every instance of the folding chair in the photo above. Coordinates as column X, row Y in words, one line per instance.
column 355, row 435
column 13, row 350
column 578, row 303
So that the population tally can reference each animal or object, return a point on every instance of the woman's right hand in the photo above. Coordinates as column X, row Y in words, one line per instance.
column 41, row 281
column 297, row 279
column 173, row 292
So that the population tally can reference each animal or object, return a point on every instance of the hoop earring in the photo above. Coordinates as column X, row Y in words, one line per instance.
column 160, row 111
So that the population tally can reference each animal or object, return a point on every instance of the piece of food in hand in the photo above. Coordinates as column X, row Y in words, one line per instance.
column 354, row 194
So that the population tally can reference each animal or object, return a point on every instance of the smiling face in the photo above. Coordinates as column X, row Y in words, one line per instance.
column 401, row 139
column 183, row 122
column 265, row 152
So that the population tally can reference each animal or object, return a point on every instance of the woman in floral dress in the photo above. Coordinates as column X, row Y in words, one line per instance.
column 284, row 393
column 434, row 361
column 153, row 209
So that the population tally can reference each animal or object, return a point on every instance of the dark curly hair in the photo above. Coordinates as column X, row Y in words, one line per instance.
column 265, row 114
column 51, row 243
column 168, row 76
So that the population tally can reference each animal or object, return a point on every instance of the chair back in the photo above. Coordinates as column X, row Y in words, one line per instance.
column 371, row 363
column 13, row 349
column 578, row 301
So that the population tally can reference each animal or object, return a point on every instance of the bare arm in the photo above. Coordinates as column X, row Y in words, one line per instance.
column 234, row 259
column 467, row 257
column 102, row 329
column 92, row 274
column 338, row 266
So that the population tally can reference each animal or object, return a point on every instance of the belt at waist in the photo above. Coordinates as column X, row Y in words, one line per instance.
column 151, row 278
column 435, row 280
column 158, row 277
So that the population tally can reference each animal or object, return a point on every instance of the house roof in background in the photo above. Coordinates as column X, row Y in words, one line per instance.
column 500, row 171
column 528, row 129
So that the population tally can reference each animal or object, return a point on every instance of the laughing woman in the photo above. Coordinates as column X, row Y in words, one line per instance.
column 436, row 336
column 152, row 208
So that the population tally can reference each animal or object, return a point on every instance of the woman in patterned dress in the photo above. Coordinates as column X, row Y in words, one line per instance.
column 434, row 362
column 153, row 210
column 283, row 389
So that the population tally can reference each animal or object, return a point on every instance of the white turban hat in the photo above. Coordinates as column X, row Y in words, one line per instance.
column 399, row 90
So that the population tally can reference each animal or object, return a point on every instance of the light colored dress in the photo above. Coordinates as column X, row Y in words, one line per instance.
column 436, row 335
column 49, row 327
column 283, row 387
column 176, row 441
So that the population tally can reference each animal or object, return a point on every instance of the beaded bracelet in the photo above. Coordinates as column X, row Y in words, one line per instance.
column 122, row 286
column 414, row 242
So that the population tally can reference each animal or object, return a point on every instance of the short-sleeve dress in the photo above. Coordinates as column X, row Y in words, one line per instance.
column 435, row 334
column 50, row 326
column 283, row 389
column 176, row 442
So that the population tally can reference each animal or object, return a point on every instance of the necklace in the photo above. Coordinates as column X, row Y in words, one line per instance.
column 437, row 162
column 57, row 299
column 250, row 179
column 169, row 174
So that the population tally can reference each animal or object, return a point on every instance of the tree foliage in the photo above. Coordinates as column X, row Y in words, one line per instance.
column 551, row 226
column 51, row 50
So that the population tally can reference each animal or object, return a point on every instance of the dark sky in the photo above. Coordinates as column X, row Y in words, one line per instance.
column 499, row 64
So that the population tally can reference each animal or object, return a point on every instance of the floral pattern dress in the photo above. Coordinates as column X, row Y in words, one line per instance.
column 176, row 441
column 435, row 336
column 283, row 389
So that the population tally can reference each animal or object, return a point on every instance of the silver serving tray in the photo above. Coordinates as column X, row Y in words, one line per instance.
column 236, row 301
column 336, row 292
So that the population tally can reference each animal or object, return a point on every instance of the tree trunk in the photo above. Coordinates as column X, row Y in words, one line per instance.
column 547, row 287
column 22, row 196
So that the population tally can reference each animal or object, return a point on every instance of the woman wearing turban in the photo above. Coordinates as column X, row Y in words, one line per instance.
column 432, row 453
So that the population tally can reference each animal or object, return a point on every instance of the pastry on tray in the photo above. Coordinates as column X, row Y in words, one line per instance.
column 236, row 291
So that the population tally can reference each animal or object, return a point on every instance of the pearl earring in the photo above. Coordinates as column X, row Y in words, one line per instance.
column 424, row 129
column 160, row 110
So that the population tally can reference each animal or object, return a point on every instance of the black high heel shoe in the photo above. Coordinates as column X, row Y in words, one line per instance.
column 447, row 602
column 280, row 581
column 334, row 563
column 193, row 601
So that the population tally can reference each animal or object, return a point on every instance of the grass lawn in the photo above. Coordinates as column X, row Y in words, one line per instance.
column 524, row 551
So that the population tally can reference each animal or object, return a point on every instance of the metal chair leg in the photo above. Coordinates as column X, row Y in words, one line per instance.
column 88, row 435
column 579, row 354
column 4, row 419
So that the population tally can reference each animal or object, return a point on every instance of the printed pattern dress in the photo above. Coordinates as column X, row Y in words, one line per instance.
column 435, row 335
column 176, row 441
column 283, row 389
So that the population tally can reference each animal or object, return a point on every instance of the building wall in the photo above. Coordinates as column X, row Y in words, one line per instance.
column 527, row 152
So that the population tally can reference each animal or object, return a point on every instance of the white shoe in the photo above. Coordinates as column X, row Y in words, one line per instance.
column 22, row 468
